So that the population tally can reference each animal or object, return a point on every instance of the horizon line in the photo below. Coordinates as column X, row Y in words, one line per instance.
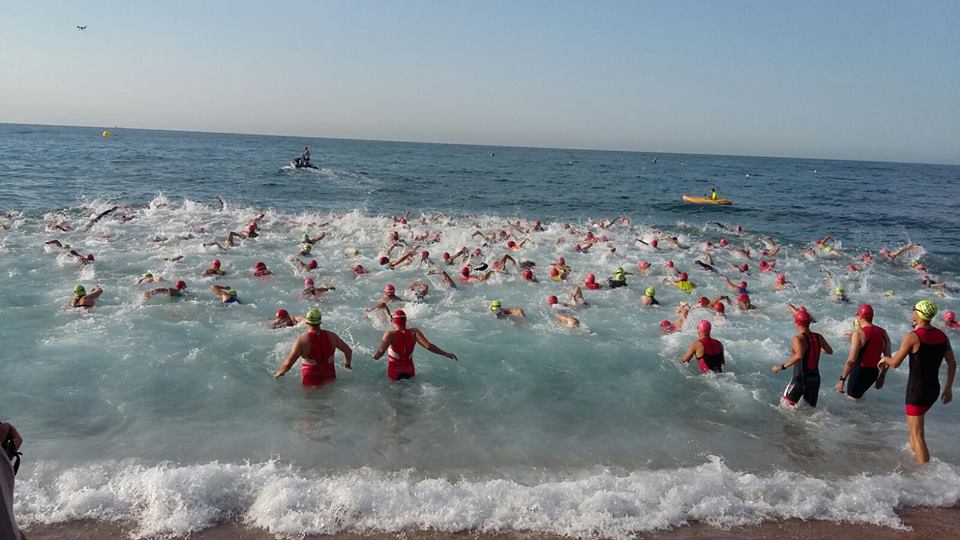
column 487, row 145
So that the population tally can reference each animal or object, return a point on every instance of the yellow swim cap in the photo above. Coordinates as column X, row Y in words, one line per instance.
column 495, row 305
column 926, row 309
column 313, row 316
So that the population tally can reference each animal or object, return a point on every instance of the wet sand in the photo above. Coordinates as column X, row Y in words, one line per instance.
column 925, row 522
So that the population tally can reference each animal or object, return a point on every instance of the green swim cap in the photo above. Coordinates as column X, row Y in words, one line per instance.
column 232, row 293
column 840, row 290
column 926, row 309
column 79, row 290
column 619, row 270
column 355, row 251
column 313, row 316
column 66, row 246
column 147, row 275
column 889, row 292
column 305, row 238
column 495, row 305
column 650, row 292
column 306, row 247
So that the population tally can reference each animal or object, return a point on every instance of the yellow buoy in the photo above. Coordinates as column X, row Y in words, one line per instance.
column 106, row 133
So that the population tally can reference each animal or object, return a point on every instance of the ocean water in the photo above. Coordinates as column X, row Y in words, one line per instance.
column 165, row 414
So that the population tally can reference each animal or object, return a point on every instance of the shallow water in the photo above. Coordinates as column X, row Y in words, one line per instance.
column 166, row 413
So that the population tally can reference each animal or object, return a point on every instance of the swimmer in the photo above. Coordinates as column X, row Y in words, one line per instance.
column 516, row 246
column 929, row 283
column 643, row 267
column 667, row 327
column 305, row 238
column 98, row 217
column 173, row 292
column 358, row 270
column 619, row 278
column 807, row 347
column 557, row 274
column 766, row 266
column 148, row 277
column 389, row 295
column 708, row 351
column 866, row 259
column 178, row 258
column 795, row 309
column 720, row 312
column 447, row 280
column 868, row 343
column 399, row 344
column 305, row 250
column 83, row 300
column 214, row 269
column 226, row 294
column 500, row 265
column 419, row 290
column 452, row 259
column 496, row 307
column 744, row 302
column 669, row 269
column 918, row 266
column 425, row 257
column 705, row 266
column 527, row 275
column 649, row 297
column 591, row 283
column 386, row 264
column 317, row 348
column 260, row 270
column 741, row 287
column 284, row 320
column 891, row 255
column 780, row 282
column 927, row 348
column 840, row 295
column 306, row 267
column 466, row 276
column 310, row 290
column 562, row 312
column 950, row 320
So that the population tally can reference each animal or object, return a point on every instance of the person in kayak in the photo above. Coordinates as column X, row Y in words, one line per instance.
column 805, row 359
column 399, row 344
column 708, row 351
column 713, row 194
column 927, row 348
column 317, row 348
column 868, row 343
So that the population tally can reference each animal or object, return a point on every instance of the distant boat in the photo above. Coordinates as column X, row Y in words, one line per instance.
column 654, row 160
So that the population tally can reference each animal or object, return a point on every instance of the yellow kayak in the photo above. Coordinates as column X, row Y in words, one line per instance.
column 706, row 200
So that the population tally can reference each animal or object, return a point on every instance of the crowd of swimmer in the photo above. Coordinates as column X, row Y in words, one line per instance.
column 869, row 357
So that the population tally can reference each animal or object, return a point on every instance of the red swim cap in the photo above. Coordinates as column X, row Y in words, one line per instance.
column 704, row 327
column 424, row 254
column 654, row 242
column 669, row 264
column 719, row 307
column 383, row 260
column 744, row 267
column 527, row 273
column 865, row 312
column 554, row 272
column 709, row 244
column 578, row 248
column 399, row 317
column 216, row 263
column 389, row 288
column 282, row 314
column 465, row 271
column 591, row 278
column 551, row 300
column 743, row 297
column 665, row 326
column 742, row 285
column 801, row 316
column 308, row 282
column 511, row 244
column 723, row 242
column 477, row 251
column 703, row 301
column 252, row 227
column 781, row 278
column 313, row 264
column 181, row 284
column 89, row 257
column 560, row 261
column 261, row 264
column 446, row 255
column 683, row 276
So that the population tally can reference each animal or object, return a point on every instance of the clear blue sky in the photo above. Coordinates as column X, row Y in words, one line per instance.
column 875, row 80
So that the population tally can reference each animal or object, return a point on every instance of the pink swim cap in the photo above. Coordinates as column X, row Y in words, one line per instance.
column 743, row 297
column 781, row 278
column 216, row 263
column 527, row 273
column 554, row 272
column 669, row 264
column 744, row 267
column 308, row 282
column 282, row 314
column 801, row 316
column 654, row 242
column 261, row 264
column 578, row 248
column 389, row 288
column 719, row 307
column 477, row 251
column 313, row 264
column 552, row 300
column 424, row 254
column 683, row 276
column 511, row 244
column 949, row 316
column 723, row 242
column 446, row 255
column 742, row 285
column 181, row 284
column 643, row 265
column 591, row 278
column 704, row 327
column 561, row 261
column 665, row 326
column 703, row 300
column 465, row 271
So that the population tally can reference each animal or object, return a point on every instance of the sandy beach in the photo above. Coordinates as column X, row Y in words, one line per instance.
column 924, row 522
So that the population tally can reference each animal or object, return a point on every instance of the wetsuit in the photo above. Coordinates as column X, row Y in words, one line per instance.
column 923, row 383
column 712, row 359
column 591, row 285
column 400, row 356
column 865, row 371
column 806, row 374
column 613, row 284
column 317, row 367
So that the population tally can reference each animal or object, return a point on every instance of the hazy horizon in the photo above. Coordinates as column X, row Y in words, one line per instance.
column 864, row 81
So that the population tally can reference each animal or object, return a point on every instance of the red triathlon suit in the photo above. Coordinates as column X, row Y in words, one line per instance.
column 712, row 359
column 923, row 383
column 400, row 355
column 317, row 367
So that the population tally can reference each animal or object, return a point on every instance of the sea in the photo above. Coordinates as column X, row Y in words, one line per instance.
column 164, row 415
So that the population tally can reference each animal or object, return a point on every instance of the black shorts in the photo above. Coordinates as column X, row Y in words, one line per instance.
column 860, row 380
column 806, row 386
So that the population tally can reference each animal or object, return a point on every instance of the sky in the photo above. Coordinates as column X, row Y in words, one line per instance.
column 867, row 80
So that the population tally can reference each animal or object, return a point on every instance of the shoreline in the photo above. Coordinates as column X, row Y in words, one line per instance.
column 924, row 522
